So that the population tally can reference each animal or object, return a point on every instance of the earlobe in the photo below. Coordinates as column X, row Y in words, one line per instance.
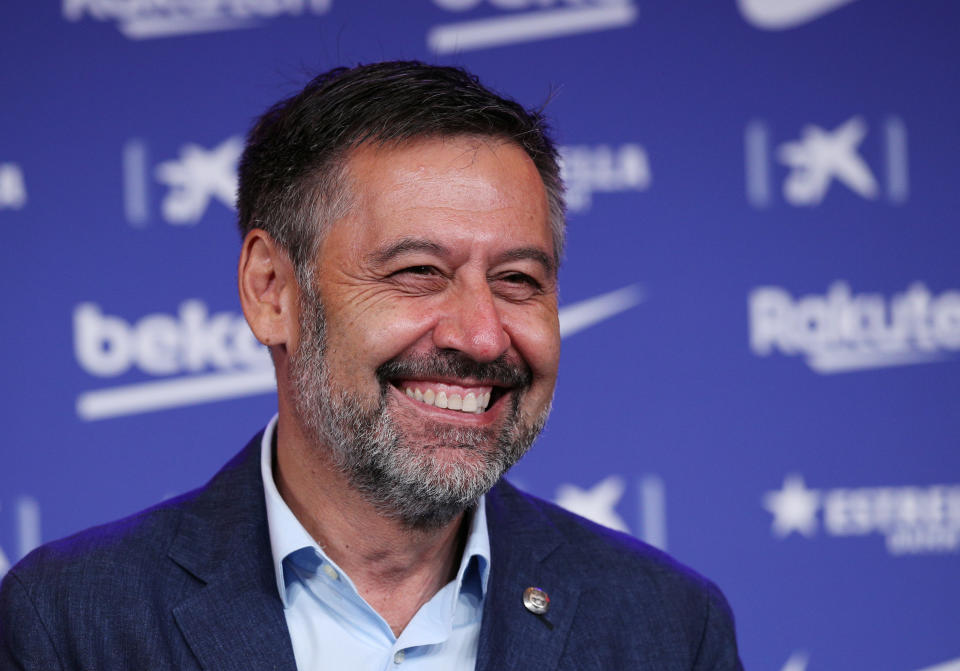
column 268, row 289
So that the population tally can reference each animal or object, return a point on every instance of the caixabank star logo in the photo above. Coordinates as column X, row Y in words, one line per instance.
column 196, row 180
column 806, row 169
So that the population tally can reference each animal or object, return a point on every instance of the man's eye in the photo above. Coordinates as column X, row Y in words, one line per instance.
column 419, row 278
column 418, row 270
column 517, row 286
column 521, row 278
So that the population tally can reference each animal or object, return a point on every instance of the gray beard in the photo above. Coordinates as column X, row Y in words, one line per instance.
column 401, row 480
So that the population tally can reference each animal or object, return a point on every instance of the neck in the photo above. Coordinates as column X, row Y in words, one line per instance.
column 396, row 569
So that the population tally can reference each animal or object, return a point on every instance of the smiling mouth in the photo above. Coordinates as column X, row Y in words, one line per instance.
column 473, row 399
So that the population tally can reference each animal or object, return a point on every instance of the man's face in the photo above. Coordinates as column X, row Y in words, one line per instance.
column 428, row 356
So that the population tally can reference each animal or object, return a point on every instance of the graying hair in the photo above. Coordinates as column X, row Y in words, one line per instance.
column 293, row 174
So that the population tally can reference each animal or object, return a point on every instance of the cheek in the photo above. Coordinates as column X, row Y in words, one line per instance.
column 538, row 342
column 366, row 340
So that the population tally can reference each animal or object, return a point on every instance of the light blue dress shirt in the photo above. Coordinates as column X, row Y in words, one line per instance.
column 333, row 627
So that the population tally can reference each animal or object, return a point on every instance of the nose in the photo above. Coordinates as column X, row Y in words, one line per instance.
column 471, row 323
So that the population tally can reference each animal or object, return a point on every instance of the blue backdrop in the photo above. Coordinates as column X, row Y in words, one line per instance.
column 761, row 298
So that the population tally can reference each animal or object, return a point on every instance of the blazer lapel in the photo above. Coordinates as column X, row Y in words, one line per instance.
column 235, row 619
column 522, row 541
column 230, row 629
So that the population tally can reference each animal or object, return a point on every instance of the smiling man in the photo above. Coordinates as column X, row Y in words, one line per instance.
column 403, row 227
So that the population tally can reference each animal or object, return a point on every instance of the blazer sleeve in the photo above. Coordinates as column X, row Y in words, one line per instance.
column 25, row 640
column 718, row 646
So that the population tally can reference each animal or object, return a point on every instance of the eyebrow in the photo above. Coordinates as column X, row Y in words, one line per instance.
column 405, row 246
column 410, row 244
column 533, row 254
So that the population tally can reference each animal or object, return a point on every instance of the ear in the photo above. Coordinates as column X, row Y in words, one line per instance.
column 269, row 292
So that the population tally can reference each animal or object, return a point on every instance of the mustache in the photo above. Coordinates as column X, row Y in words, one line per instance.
column 500, row 372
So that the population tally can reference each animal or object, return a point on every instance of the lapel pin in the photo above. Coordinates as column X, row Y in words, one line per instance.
column 536, row 600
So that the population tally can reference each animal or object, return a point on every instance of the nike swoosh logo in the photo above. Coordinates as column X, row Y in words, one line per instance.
column 952, row 665
column 797, row 662
column 584, row 314
column 783, row 14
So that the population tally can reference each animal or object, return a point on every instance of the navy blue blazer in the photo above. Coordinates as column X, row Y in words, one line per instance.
column 189, row 584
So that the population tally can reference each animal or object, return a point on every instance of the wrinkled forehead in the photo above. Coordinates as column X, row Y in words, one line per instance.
column 484, row 188
column 485, row 166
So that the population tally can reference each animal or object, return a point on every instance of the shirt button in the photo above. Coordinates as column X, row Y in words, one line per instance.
column 330, row 571
column 398, row 657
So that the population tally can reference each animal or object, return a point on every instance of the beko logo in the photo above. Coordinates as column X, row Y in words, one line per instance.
column 198, row 356
column 544, row 19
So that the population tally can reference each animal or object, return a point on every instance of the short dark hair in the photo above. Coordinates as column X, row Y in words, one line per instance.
column 293, row 168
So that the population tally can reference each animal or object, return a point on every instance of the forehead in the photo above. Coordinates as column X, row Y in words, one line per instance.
column 462, row 189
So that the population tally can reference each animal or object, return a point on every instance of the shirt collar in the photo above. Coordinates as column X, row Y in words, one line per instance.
column 287, row 535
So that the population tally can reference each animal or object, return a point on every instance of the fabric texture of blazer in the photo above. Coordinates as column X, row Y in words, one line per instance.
column 189, row 584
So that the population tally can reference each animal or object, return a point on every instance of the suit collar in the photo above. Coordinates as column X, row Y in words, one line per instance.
column 235, row 619
column 288, row 536
column 524, row 544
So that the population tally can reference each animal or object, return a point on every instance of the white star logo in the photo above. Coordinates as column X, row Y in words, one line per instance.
column 794, row 507
column 596, row 503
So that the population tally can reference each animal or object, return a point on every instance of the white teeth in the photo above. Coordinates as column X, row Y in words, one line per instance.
column 470, row 402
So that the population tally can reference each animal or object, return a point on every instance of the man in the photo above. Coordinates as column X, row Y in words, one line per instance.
column 402, row 232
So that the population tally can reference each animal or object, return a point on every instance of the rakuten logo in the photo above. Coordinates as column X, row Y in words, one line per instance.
column 215, row 357
column 143, row 19
column 841, row 332
column 546, row 19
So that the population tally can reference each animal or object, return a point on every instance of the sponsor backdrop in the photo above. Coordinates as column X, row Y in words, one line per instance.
column 761, row 296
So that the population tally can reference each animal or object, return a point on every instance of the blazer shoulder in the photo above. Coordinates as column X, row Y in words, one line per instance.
column 103, row 548
column 613, row 556
column 647, row 608
column 114, row 589
column 134, row 545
